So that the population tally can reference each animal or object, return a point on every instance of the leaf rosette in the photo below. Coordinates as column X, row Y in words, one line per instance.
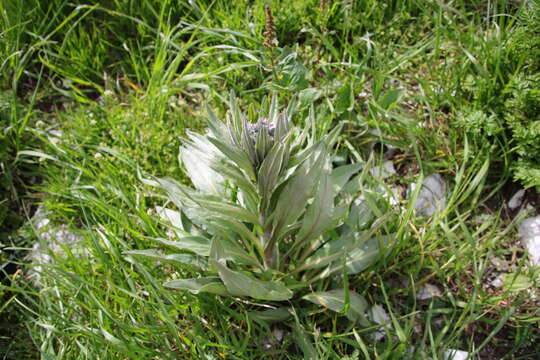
column 268, row 215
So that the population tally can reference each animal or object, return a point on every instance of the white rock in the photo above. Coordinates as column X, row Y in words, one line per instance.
column 452, row 354
column 497, row 282
column 529, row 231
column 52, row 240
column 516, row 200
column 428, row 291
column 378, row 315
column 431, row 196
column 383, row 171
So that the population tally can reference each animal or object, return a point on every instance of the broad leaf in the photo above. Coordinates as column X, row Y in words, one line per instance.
column 335, row 301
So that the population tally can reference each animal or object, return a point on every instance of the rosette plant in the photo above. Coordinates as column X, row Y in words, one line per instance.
column 269, row 216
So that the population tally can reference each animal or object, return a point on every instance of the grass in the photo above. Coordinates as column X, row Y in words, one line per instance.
column 121, row 82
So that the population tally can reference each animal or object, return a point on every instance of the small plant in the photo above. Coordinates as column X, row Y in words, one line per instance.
column 269, row 216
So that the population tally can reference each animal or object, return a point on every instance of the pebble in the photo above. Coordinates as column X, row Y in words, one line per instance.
column 383, row 171
column 529, row 231
column 431, row 196
column 516, row 200
column 428, row 291
column 378, row 315
column 452, row 354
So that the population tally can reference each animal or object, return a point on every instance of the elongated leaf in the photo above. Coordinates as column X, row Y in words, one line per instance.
column 172, row 216
column 303, row 340
column 342, row 174
column 334, row 250
column 178, row 194
column 293, row 198
column 335, row 301
column 391, row 97
column 344, row 99
column 360, row 258
column 234, row 253
column 240, row 284
column 239, row 157
column 217, row 128
column 177, row 259
column 248, row 144
column 232, row 173
column 197, row 244
column 319, row 215
column 211, row 285
column 262, row 142
column 273, row 111
column 271, row 168
column 227, row 210
column 197, row 155
column 282, row 126
column 271, row 315
column 232, row 226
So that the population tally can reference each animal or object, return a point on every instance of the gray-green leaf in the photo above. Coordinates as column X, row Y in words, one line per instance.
column 195, row 286
column 240, row 284
column 335, row 301
column 186, row 259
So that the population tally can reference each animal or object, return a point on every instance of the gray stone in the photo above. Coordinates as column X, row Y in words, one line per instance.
column 431, row 196
column 529, row 231
column 428, row 291
column 516, row 200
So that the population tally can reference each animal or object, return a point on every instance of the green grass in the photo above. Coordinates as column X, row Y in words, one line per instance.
column 124, row 81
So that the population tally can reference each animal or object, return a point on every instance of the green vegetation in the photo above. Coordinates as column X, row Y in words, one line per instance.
column 96, row 98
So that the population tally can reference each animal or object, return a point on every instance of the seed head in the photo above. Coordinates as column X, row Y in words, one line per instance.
column 270, row 37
